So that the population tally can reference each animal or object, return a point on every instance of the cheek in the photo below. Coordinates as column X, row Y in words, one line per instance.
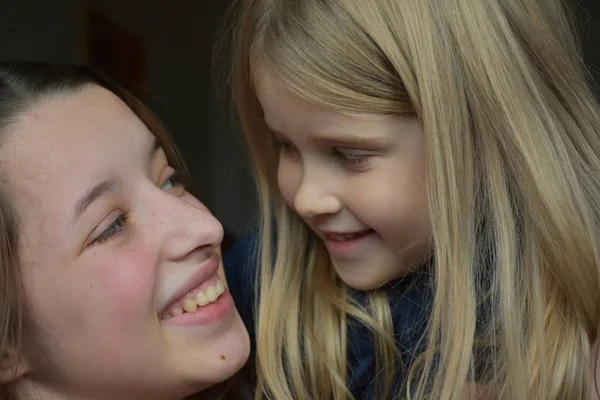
column 126, row 281
column 289, row 178
column 103, row 297
column 95, row 319
column 394, row 204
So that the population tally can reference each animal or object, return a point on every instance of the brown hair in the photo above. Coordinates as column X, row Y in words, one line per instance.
column 24, row 84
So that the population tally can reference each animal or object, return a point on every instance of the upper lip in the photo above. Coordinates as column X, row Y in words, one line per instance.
column 209, row 267
column 343, row 233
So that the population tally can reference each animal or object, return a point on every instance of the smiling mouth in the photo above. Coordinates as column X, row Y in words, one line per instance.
column 342, row 237
column 202, row 296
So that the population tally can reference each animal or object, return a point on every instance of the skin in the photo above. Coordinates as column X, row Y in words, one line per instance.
column 95, row 284
column 346, row 173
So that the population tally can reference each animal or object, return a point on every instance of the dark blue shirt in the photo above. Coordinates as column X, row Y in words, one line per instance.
column 410, row 301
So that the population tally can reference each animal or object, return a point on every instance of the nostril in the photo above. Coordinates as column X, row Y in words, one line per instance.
column 303, row 211
column 304, row 206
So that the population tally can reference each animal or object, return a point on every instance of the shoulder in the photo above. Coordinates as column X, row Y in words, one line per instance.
column 410, row 305
column 411, row 302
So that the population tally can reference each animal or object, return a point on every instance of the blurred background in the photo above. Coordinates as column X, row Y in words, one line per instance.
column 168, row 49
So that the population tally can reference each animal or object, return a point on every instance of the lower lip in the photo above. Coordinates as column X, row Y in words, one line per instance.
column 207, row 315
column 348, row 248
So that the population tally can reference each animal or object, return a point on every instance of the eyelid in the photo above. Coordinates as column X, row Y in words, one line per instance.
column 374, row 145
column 277, row 138
column 104, row 226
column 359, row 153
column 106, row 221
column 355, row 160
column 282, row 142
column 354, row 151
column 166, row 173
column 180, row 182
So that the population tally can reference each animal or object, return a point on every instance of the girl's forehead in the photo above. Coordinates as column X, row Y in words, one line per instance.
column 53, row 151
column 74, row 126
column 285, row 112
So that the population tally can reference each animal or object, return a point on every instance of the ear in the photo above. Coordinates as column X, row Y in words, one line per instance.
column 12, row 366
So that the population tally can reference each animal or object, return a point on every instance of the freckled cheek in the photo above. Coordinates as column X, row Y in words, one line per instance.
column 133, row 282
column 289, row 178
column 102, row 297
column 122, row 288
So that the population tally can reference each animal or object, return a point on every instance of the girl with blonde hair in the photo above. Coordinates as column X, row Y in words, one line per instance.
column 445, row 148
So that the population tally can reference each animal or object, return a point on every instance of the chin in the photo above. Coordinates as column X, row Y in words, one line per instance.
column 363, row 285
column 359, row 279
column 231, row 353
column 235, row 349
column 215, row 364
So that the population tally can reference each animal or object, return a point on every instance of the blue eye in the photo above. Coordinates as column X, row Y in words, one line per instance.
column 172, row 182
column 168, row 184
column 118, row 226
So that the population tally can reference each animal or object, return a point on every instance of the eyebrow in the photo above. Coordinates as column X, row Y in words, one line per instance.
column 92, row 195
column 103, row 188
column 349, row 139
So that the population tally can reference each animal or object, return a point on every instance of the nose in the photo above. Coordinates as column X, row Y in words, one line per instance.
column 186, row 228
column 313, row 198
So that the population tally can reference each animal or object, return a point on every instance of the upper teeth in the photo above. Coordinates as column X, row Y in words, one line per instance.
column 191, row 304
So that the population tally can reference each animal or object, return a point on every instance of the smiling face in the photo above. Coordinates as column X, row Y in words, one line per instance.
column 113, row 249
column 358, row 180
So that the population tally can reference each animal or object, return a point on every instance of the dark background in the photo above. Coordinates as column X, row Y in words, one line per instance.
column 167, row 48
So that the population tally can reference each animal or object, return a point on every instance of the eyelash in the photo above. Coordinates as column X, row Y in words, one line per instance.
column 177, row 179
column 120, row 223
column 352, row 160
column 349, row 159
column 283, row 145
column 118, row 226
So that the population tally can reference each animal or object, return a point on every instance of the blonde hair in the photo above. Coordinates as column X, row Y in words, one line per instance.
column 512, row 134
